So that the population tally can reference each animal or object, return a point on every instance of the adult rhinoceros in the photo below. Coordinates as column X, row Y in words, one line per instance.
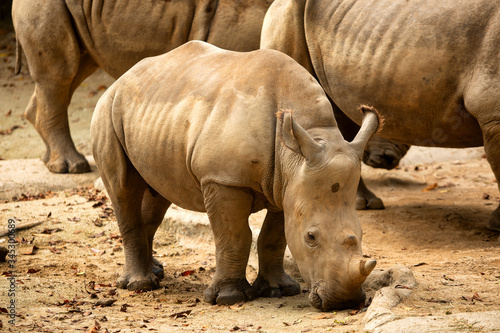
column 211, row 130
column 432, row 68
column 67, row 40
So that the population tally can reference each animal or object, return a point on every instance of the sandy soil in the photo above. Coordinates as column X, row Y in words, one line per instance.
column 66, row 267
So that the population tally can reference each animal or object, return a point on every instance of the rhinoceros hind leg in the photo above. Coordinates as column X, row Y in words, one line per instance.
column 366, row 199
column 128, row 193
column 272, row 280
column 228, row 209
column 57, row 67
column 154, row 207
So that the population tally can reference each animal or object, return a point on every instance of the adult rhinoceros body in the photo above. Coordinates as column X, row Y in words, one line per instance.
column 430, row 67
column 198, row 127
column 66, row 41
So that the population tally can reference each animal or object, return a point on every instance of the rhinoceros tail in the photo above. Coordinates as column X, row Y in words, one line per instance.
column 19, row 56
column 381, row 120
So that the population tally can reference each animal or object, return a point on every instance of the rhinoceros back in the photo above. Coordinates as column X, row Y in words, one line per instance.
column 200, row 114
column 118, row 34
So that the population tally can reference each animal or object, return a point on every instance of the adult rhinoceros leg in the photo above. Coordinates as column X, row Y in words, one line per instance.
column 154, row 207
column 228, row 209
column 55, row 65
column 272, row 280
column 482, row 100
column 365, row 199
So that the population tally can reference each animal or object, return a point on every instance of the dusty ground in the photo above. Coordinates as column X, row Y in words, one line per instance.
column 434, row 224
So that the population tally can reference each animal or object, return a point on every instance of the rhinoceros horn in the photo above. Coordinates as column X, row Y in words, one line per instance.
column 371, row 122
column 360, row 269
column 297, row 139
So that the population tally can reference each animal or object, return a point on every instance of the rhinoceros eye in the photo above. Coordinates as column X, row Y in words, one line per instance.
column 312, row 236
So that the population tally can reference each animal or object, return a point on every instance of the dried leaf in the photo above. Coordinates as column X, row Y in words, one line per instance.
column 476, row 297
column 182, row 314
column 239, row 306
column 10, row 130
column 432, row 300
column 420, row 264
column 323, row 316
column 97, row 251
column 96, row 328
column 31, row 251
column 55, row 250
column 105, row 302
column 430, row 187
column 33, row 270
column 97, row 235
column 97, row 222
column 186, row 273
column 400, row 286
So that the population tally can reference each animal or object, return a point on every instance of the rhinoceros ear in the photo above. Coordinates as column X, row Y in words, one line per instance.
column 371, row 123
column 297, row 139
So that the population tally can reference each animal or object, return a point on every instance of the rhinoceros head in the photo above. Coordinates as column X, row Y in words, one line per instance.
column 321, row 225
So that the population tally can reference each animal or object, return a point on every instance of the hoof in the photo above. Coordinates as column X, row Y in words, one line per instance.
column 79, row 167
column 76, row 165
column 137, row 283
column 372, row 203
column 229, row 293
column 286, row 286
column 157, row 268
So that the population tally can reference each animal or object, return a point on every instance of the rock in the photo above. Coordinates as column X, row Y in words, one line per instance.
column 392, row 285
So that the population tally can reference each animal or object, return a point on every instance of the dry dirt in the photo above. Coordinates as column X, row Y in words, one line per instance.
column 434, row 224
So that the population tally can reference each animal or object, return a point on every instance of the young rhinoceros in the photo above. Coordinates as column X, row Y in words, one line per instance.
column 201, row 127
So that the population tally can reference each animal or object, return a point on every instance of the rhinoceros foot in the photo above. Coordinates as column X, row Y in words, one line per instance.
column 138, row 282
column 229, row 292
column 157, row 268
column 283, row 286
column 363, row 203
column 75, row 163
column 494, row 222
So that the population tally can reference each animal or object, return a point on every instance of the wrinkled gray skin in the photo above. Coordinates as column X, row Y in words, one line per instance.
column 67, row 40
column 430, row 68
column 198, row 127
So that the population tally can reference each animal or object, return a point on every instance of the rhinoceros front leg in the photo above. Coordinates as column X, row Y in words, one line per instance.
column 272, row 280
column 228, row 209
column 366, row 199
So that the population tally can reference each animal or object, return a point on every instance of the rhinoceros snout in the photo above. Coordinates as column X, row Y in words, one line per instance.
column 386, row 160
column 326, row 301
